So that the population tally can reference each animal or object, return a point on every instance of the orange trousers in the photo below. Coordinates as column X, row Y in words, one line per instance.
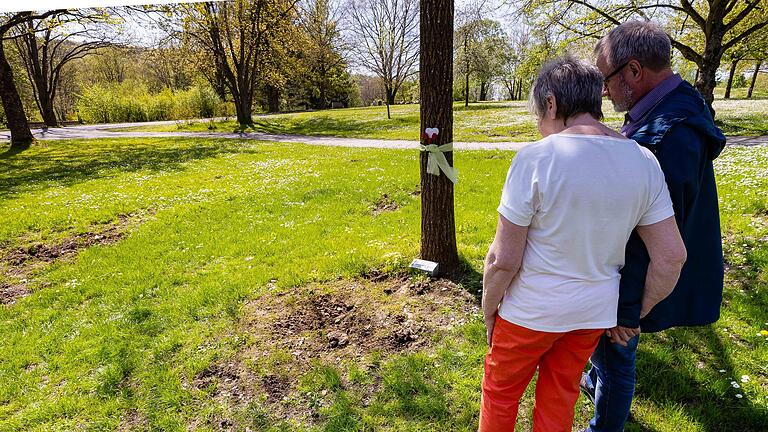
column 511, row 361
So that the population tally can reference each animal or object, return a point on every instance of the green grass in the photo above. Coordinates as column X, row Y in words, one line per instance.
column 112, row 337
column 505, row 121
column 480, row 122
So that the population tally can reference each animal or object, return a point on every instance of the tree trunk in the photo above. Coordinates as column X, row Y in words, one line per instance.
column 273, row 99
column 47, row 111
column 466, row 89
column 21, row 136
column 244, row 110
column 391, row 96
column 520, row 89
column 512, row 90
column 696, row 77
column 754, row 79
column 483, row 90
column 438, row 231
column 710, row 62
column 730, row 79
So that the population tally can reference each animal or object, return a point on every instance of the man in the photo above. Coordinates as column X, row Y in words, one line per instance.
column 669, row 117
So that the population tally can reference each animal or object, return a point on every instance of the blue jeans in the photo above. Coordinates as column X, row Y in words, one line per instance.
column 612, row 377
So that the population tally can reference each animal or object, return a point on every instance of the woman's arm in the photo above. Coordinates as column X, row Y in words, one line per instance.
column 502, row 263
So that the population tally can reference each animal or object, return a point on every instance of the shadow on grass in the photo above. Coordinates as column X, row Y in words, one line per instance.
column 323, row 125
column 664, row 384
column 68, row 163
column 743, row 126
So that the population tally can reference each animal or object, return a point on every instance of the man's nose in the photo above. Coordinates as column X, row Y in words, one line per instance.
column 605, row 91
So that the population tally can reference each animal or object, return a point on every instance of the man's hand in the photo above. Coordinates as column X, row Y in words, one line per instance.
column 622, row 335
column 490, row 323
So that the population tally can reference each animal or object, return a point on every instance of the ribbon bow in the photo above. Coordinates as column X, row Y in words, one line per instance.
column 436, row 160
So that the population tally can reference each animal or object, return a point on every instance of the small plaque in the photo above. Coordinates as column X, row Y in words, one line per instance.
column 425, row 266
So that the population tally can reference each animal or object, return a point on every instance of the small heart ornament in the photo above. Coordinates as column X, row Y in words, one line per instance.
column 431, row 132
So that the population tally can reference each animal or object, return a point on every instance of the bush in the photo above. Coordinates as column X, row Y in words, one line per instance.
column 132, row 102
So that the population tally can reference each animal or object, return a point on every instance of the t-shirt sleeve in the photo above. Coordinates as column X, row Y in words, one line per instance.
column 659, row 204
column 519, row 198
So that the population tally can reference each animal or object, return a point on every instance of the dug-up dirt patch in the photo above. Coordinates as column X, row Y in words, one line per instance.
column 17, row 264
column 331, row 324
column 385, row 203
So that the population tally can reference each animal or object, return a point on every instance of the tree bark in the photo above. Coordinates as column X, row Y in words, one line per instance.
column 483, row 90
column 21, row 136
column 754, row 79
column 438, row 231
column 273, row 99
column 466, row 89
column 730, row 79
column 244, row 110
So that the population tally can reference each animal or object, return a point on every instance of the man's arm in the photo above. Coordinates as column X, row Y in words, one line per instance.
column 668, row 254
column 502, row 263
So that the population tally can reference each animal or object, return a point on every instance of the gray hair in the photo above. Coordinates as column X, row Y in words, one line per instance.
column 577, row 87
column 643, row 41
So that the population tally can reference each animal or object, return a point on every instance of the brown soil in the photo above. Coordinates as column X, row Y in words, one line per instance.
column 331, row 324
column 19, row 263
column 384, row 204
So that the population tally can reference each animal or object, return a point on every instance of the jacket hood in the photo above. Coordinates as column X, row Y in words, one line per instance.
column 682, row 105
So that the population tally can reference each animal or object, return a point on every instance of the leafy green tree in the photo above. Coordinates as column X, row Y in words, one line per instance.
column 702, row 31
column 244, row 40
column 327, row 78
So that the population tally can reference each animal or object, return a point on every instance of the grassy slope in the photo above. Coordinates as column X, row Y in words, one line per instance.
column 505, row 121
column 120, row 330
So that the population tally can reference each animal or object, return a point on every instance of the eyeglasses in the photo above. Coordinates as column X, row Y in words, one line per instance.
column 615, row 71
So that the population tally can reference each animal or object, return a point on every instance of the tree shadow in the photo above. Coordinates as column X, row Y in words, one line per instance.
column 66, row 163
column 662, row 383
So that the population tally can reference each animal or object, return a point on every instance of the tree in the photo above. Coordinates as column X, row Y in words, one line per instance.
column 16, row 118
column 438, row 231
column 701, row 31
column 242, row 39
column 327, row 76
column 48, row 45
column 386, row 41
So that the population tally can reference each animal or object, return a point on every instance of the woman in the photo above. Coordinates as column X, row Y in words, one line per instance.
column 551, row 280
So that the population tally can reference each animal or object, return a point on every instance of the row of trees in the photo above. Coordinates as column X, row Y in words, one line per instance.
column 280, row 53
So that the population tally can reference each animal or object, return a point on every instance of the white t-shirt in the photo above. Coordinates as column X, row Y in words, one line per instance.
column 581, row 196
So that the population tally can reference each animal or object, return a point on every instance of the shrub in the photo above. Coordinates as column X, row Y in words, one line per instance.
column 132, row 102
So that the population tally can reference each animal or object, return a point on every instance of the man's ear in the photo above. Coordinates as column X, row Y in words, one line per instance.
column 551, row 107
column 635, row 70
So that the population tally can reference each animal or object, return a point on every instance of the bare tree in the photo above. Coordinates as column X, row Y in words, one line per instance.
column 386, row 40
column 47, row 46
column 21, row 136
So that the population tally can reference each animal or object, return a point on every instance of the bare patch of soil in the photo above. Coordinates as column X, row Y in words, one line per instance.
column 18, row 263
column 10, row 293
column 332, row 324
column 384, row 204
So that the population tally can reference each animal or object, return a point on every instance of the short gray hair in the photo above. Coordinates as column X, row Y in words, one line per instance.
column 643, row 41
column 577, row 87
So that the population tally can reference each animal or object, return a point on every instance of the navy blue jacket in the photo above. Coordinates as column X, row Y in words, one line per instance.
column 681, row 133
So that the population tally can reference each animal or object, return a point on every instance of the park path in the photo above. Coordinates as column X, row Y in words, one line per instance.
column 107, row 131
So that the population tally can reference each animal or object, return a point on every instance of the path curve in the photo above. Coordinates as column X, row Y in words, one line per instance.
column 105, row 131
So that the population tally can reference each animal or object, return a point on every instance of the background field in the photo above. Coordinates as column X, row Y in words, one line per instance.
column 175, row 284
column 490, row 121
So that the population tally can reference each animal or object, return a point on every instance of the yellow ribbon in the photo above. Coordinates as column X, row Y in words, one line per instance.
column 436, row 161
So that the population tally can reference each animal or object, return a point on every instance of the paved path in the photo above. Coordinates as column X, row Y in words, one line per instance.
column 106, row 131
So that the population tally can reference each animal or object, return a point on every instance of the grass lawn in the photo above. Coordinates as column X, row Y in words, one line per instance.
column 179, row 284
column 483, row 122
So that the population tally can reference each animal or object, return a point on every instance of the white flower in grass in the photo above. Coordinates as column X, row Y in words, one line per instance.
column 739, row 395
column 745, row 378
column 735, row 385
column 722, row 371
